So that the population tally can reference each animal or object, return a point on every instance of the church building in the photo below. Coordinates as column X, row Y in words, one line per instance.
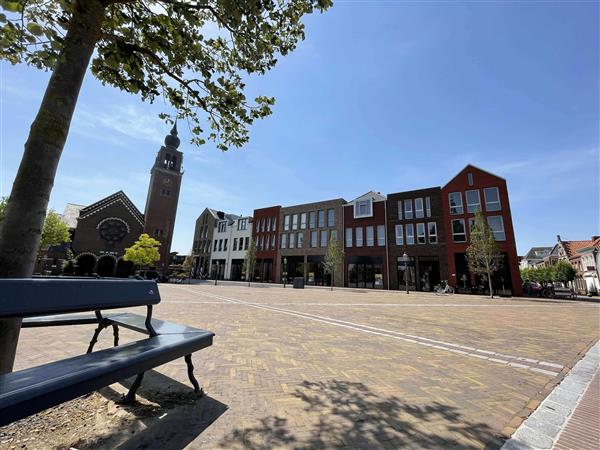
column 103, row 230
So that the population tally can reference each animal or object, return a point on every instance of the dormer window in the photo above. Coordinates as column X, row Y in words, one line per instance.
column 363, row 208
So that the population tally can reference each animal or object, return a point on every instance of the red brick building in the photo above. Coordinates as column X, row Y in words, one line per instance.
column 471, row 190
column 265, row 229
column 365, row 242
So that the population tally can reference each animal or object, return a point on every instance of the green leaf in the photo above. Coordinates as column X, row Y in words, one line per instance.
column 35, row 29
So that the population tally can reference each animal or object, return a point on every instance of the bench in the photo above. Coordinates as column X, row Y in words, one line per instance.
column 52, row 302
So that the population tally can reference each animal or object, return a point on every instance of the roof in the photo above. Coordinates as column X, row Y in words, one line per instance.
column 538, row 252
column 472, row 167
column 71, row 214
column 111, row 199
column 572, row 248
column 375, row 196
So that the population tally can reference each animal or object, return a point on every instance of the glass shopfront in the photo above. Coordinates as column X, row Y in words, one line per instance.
column 365, row 272
column 429, row 272
column 315, row 274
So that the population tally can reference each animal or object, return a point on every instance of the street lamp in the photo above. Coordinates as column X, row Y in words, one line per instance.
column 405, row 260
column 284, row 271
column 217, row 273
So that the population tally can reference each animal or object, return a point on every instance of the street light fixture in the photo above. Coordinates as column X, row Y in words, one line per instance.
column 405, row 260
column 284, row 271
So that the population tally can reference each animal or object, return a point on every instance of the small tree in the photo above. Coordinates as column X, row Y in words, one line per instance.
column 564, row 272
column 55, row 231
column 188, row 265
column 143, row 252
column 483, row 253
column 250, row 261
column 334, row 258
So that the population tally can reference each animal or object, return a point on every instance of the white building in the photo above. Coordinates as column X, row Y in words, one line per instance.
column 231, row 238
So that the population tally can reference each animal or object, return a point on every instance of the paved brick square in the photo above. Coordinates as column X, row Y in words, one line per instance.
column 344, row 369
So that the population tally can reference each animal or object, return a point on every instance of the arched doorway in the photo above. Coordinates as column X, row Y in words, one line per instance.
column 124, row 268
column 85, row 264
column 106, row 266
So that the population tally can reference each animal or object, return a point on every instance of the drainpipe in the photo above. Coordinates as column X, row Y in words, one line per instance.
column 344, row 245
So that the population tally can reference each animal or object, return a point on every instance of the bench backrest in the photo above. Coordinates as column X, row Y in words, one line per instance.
column 27, row 297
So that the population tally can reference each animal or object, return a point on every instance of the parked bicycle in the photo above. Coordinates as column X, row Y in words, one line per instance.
column 444, row 288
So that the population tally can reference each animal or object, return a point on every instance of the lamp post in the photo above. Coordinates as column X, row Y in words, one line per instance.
column 405, row 260
column 217, row 273
column 284, row 271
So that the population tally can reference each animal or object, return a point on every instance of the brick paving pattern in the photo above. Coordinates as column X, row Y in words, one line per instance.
column 582, row 431
column 355, row 369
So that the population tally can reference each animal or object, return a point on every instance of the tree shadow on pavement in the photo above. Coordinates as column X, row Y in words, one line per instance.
column 170, row 416
column 348, row 414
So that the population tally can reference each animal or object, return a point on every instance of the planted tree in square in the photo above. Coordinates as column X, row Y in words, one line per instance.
column 564, row 272
column 249, row 264
column 483, row 254
column 334, row 258
column 144, row 252
column 156, row 49
column 54, row 232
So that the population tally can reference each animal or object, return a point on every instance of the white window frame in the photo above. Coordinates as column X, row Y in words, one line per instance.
column 294, row 221
column 433, row 239
column 283, row 240
column 381, row 235
column 292, row 240
column 421, row 237
column 331, row 223
column 370, row 230
column 400, row 206
column 428, row 206
column 369, row 208
column 314, row 243
column 286, row 222
column 502, row 232
column 300, row 240
column 399, row 234
column 325, row 234
column 267, row 239
column 464, row 233
column 320, row 214
column 458, row 209
column 496, row 202
column 419, row 211
column 472, row 208
column 408, row 212
column 222, row 226
column 312, row 219
column 410, row 234
column 303, row 221
column 358, row 233
column 348, row 237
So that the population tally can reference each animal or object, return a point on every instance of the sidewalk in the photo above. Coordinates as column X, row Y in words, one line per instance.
column 569, row 418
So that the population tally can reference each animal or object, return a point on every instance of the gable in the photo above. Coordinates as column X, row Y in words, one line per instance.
column 469, row 168
column 118, row 199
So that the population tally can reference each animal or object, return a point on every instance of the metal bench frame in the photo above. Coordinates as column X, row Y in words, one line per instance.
column 18, row 299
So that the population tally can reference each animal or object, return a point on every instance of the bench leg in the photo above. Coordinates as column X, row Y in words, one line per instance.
column 95, row 337
column 130, row 397
column 115, row 334
column 190, row 367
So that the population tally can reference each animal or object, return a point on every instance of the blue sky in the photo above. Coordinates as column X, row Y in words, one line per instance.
column 386, row 96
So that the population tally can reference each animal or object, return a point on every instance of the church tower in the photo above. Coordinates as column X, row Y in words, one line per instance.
column 163, row 195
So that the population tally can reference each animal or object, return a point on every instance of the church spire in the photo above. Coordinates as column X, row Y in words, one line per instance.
column 171, row 140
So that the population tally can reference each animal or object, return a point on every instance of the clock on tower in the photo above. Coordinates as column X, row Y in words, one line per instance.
column 163, row 195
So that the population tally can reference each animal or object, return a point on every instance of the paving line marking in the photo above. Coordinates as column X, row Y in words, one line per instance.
column 393, row 334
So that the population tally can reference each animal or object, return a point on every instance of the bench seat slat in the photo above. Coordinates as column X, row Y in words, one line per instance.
column 137, row 323
column 59, row 320
column 32, row 390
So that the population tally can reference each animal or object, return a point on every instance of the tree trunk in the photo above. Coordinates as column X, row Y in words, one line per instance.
column 332, row 274
column 26, row 208
column 490, row 284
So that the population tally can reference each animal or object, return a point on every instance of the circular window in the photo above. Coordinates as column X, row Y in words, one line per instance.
column 113, row 230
